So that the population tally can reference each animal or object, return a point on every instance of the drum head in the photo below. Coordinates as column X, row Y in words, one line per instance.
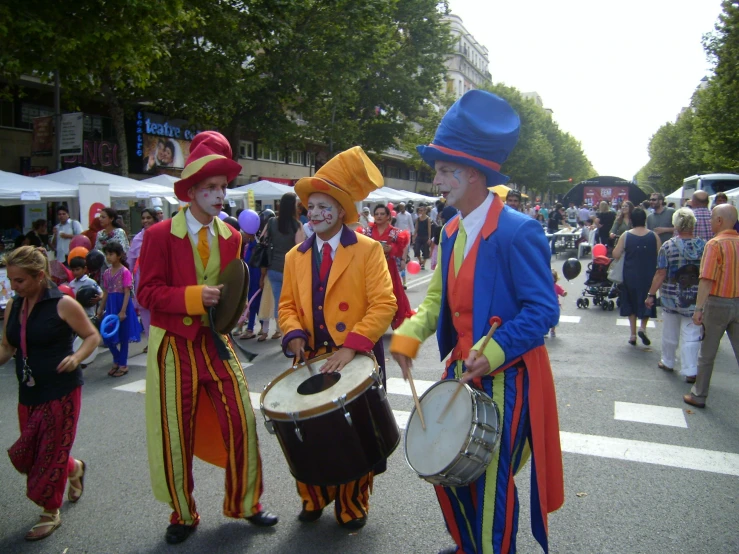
column 235, row 281
column 76, row 346
column 429, row 452
column 297, row 392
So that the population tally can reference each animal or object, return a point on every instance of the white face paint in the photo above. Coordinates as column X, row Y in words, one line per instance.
column 210, row 195
column 452, row 181
column 324, row 212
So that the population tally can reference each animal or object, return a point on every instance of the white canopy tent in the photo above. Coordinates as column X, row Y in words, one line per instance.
column 169, row 181
column 120, row 187
column 676, row 197
column 264, row 190
column 18, row 189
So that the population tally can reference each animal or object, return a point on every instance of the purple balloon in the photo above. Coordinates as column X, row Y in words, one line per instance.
column 249, row 222
column 222, row 216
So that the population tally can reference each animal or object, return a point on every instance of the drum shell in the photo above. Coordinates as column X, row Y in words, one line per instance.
column 477, row 452
column 333, row 451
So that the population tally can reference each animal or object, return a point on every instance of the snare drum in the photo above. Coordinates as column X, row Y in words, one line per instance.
column 458, row 450
column 333, row 427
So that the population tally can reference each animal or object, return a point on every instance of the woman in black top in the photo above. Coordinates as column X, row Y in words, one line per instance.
column 40, row 325
column 38, row 235
column 423, row 236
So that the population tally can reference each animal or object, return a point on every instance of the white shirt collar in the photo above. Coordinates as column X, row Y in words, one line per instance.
column 333, row 241
column 474, row 221
column 194, row 226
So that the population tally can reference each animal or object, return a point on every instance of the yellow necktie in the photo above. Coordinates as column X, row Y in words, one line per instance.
column 459, row 248
column 203, row 247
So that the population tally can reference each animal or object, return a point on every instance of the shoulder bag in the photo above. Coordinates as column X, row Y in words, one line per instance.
column 262, row 254
column 616, row 269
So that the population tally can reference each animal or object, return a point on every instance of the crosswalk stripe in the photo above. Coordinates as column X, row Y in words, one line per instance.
column 625, row 323
column 419, row 282
column 396, row 385
column 569, row 319
column 645, row 413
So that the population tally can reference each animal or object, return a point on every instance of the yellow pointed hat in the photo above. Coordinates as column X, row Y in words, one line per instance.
column 348, row 177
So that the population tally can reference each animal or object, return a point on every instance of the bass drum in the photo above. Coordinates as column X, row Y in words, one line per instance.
column 334, row 427
column 76, row 346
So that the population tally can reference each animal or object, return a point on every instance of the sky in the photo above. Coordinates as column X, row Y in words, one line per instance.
column 612, row 72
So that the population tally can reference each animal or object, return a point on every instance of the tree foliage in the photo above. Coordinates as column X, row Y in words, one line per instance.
column 705, row 137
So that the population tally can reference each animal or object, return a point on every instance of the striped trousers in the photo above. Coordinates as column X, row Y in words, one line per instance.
column 190, row 371
column 482, row 517
column 351, row 500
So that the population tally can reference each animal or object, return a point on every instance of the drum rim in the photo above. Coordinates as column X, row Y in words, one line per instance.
column 469, row 391
column 323, row 409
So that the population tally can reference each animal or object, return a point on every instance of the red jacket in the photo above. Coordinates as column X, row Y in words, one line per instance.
column 168, row 285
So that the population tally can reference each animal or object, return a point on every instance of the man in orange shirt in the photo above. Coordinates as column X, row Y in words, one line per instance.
column 717, row 306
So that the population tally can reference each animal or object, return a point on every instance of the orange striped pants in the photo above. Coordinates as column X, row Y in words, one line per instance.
column 186, row 370
column 351, row 500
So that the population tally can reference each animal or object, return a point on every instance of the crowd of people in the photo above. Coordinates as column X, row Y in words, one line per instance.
column 334, row 280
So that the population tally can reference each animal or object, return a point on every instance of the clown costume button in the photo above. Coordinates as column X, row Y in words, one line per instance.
column 340, row 327
column 343, row 306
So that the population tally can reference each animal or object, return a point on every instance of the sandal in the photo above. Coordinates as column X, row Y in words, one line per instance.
column 277, row 335
column 262, row 337
column 75, row 493
column 644, row 338
column 53, row 522
column 120, row 372
column 145, row 350
column 632, row 340
column 113, row 369
column 246, row 335
column 664, row 367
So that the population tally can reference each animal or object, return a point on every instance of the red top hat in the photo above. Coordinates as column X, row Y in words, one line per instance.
column 210, row 155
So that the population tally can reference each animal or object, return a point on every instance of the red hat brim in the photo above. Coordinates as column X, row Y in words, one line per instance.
column 224, row 166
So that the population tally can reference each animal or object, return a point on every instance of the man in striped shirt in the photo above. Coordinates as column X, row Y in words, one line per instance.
column 699, row 205
column 717, row 305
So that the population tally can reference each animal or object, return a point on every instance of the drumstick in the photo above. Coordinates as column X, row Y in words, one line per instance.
column 415, row 400
column 307, row 363
column 494, row 324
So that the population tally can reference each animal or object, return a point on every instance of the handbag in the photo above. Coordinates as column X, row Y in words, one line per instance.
column 616, row 269
column 261, row 256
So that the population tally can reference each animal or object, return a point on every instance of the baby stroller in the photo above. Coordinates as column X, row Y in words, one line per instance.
column 598, row 286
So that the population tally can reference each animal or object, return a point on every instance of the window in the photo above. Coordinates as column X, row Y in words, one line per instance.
column 392, row 172
column 269, row 155
column 246, row 149
column 6, row 113
column 29, row 111
column 310, row 159
column 295, row 157
column 411, row 174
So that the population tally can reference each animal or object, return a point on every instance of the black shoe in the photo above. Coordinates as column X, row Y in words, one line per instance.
column 308, row 516
column 177, row 533
column 449, row 550
column 263, row 519
column 644, row 338
column 355, row 524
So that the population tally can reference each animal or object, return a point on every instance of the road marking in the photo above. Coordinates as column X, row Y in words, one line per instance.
column 681, row 457
column 396, row 385
column 644, row 413
column 625, row 323
column 138, row 360
column 569, row 319
column 418, row 282
column 137, row 386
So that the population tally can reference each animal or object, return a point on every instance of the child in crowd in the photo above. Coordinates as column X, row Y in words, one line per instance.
column 117, row 285
column 560, row 293
column 78, row 266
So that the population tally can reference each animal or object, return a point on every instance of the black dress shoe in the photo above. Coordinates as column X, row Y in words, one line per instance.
column 355, row 524
column 263, row 519
column 308, row 516
column 449, row 550
column 177, row 533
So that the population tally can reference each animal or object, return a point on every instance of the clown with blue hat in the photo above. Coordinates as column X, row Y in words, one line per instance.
column 494, row 263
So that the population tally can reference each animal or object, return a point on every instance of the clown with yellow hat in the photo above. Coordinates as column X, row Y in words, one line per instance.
column 188, row 411
column 337, row 297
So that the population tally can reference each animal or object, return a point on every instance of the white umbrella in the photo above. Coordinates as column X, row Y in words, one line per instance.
column 18, row 189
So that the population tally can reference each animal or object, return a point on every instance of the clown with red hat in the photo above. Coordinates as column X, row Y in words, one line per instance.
column 196, row 402
column 337, row 298
column 494, row 263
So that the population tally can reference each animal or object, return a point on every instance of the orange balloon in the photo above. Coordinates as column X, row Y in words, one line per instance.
column 413, row 267
column 78, row 252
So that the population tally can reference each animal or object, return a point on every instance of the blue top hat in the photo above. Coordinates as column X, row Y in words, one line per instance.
column 479, row 130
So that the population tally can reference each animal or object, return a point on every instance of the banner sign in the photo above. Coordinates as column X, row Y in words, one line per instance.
column 71, row 134
column 42, row 143
column 162, row 142
column 594, row 195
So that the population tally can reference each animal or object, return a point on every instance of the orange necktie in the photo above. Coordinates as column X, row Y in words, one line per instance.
column 203, row 247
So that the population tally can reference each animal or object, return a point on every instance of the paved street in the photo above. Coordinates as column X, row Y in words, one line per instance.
column 643, row 474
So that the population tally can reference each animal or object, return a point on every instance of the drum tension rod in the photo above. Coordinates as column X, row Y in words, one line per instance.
column 294, row 417
column 341, row 400
column 267, row 422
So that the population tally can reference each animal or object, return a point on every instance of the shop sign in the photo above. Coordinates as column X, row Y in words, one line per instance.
column 162, row 143
column 42, row 143
column 71, row 134
column 96, row 154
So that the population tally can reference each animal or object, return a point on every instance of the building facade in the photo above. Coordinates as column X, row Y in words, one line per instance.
column 467, row 67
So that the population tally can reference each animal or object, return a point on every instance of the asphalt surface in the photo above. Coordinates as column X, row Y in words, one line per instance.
column 612, row 505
